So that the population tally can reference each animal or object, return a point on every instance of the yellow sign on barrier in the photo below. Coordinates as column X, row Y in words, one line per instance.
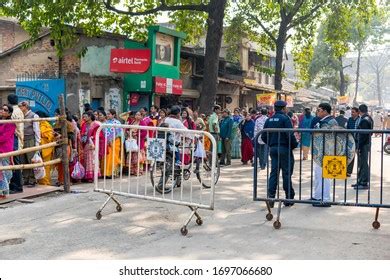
column 334, row 167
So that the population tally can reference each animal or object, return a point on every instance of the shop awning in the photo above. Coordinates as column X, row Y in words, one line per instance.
column 190, row 93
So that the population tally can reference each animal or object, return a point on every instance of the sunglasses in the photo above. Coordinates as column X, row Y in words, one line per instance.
column 5, row 110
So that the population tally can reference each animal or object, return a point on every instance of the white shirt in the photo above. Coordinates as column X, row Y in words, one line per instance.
column 17, row 114
column 348, row 114
column 176, row 123
column 259, row 125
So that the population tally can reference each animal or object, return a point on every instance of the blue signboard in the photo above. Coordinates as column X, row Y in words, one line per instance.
column 41, row 94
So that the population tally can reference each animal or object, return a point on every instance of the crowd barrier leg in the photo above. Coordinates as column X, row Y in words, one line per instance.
column 269, row 215
column 199, row 221
column 110, row 197
column 277, row 224
column 376, row 224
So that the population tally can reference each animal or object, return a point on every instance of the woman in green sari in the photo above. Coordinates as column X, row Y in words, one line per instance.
column 236, row 137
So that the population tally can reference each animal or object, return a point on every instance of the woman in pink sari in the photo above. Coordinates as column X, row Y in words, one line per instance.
column 7, row 131
column 138, row 159
column 88, row 142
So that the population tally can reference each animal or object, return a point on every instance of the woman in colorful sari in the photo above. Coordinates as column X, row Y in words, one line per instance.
column 137, row 158
column 207, row 141
column 101, row 118
column 58, row 149
column 187, row 120
column 7, row 131
column 88, row 142
column 247, row 128
column 76, row 152
column 162, row 114
column 113, row 138
column 236, row 139
column 47, row 136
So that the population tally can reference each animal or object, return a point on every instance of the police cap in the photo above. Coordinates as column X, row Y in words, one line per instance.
column 280, row 103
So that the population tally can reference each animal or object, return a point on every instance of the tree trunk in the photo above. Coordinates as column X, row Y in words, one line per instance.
column 357, row 77
column 280, row 43
column 378, row 87
column 342, row 78
column 213, row 46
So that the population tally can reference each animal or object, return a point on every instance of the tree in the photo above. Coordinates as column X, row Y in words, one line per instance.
column 279, row 21
column 378, row 62
column 326, row 67
column 363, row 27
column 347, row 28
column 96, row 16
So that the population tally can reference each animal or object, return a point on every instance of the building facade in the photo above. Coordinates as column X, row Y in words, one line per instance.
column 87, row 77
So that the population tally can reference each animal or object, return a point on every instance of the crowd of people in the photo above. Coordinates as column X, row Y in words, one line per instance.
column 234, row 132
column 281, row 146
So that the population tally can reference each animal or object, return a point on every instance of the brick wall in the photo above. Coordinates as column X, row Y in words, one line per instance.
column 11, row 34
column 41, row 58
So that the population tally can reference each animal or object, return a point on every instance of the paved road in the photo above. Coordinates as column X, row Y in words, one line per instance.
column 64, row 226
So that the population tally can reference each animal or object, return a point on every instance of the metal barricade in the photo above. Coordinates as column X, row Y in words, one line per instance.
column 323, row 180
column 158, row 164
column 61, row 143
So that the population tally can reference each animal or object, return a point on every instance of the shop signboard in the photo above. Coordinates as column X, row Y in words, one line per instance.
column 166, row 85
column 290, row 101
column 342, row 100
column 164, row 48
column 265, row 99
column 134, row 61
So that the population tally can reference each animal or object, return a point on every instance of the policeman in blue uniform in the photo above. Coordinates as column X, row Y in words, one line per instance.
column 281, row 146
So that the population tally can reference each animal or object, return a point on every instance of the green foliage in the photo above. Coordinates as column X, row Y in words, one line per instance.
column 237, row 31
column 276, row 22
column 194, row 28
column 347, row 26
column 302, row 56
column 324, row 68
column 65, row 17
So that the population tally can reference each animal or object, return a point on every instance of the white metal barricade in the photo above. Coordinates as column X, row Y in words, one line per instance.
column 156, row 163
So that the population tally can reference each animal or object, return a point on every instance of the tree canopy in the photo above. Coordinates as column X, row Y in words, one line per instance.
column 276, row 22
column 348, row 28
column 127, row 17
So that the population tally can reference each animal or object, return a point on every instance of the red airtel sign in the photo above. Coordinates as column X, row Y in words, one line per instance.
column 166, row 85
column 129, row 61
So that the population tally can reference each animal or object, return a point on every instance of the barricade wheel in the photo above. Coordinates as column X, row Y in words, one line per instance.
column 269, row 217
column 203, row 171
column 118, row 208
column 199, row 222
column 376, row 224
column 277, row 225
column 157, row 176
column 184, row 231
column 186, row 174
column 98, row 215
